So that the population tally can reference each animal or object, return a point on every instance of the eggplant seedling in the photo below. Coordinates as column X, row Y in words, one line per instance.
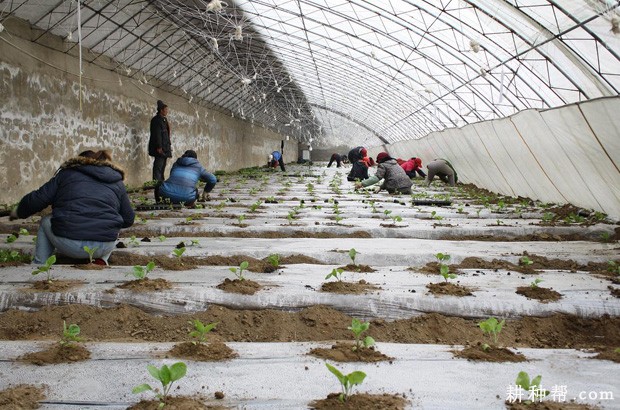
column 240, row 218
column 161, row 238
column 90, row 251
column 166, row 376
column 140, row 272
column 24, row 231
column 346, row 381
column 358, row 327
column 239, row 271
column 200, row 331
column 444, row 270
column 532, row 386
column 47, row 268
column 435, row 216
column 352, row 254
column 179, row 252
column 274, row 260
column 535, row 283
column 336, row 273
column 69, row 334
column 133, row 241
column 525, row 261
column 613, row 267
column 492, row 327
column 11, row 238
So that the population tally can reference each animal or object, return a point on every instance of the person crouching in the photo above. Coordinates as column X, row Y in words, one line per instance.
column 180, row 187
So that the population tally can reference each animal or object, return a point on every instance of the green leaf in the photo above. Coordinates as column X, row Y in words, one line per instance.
column 51, row 260
column 244, row 265
column 164, row 375
column 154, row 371
column 356, row 377
column 177, row 371
column 233, row 270
column 336, row 373
column 150, row 266
column 141, row 388
column 523, row 380
column 369, row 341
column 536, row 381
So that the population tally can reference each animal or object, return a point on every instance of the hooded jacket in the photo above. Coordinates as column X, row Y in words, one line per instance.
column 88, row 198
column 394, row 177
column 184, row 175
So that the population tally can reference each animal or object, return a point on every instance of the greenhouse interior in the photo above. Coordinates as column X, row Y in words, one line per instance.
column 310, row 204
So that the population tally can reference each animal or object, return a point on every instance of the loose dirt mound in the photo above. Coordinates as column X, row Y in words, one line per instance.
column 538, row 293
column 354, row 288
column 202, row 352
column 247, row 234
column 54, row 285
column 357, row 268
column 175, row 403
column 361, row 401
column 146, row 285
column 57, row 354
column 448, row 288
column 344, row 352
column 245, row 287
column 22, row 397
column 549, row 405
column 493, row 354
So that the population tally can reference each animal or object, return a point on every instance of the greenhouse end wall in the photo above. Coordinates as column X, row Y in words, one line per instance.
column 569, row 154
column 42, row 123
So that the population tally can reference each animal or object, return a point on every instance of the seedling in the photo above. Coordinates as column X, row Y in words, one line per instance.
column 133, row 241
column 8, row 255
column 435, row 216
column 161, row 238
column 336, row 273
column 11, row 238
column 90, row 252
column 290, row 217
column 499, row 222
column 396, row 218
column 613, row 267
column 605, row 237
column 166, row 376
column 239, row 271
column 140, row 272
column 373, row 207
column 387, row 213
column 24, row 231
column 255, row 206
column 493, row 327
column 444, row 270
column 352, row 254
column 195, row 242
column 46, row 268
column 200, row 331
column 346, row 381
column 548, row 217
column 69, row 334
column 533, row 386
column 535, row 283
column 189, row 219
column 240, row 218
column 274, row 260
column 179, row 252
column 525, row 261
column 338, row 218
column 358, row 327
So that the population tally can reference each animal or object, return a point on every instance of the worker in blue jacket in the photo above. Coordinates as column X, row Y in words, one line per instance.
column 180, row 187
column 275, row 159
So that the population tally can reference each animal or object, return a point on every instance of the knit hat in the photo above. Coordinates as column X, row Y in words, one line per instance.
column 363, row 152
column 190, row 154
column 160, row 105
column 383, row 156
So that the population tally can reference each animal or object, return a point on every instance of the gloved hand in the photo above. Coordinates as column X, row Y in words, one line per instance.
column 13, row 215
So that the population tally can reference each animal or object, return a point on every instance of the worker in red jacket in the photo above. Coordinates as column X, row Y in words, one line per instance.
column 412, row 166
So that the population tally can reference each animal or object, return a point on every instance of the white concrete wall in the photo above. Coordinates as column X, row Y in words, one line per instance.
column 569, row 154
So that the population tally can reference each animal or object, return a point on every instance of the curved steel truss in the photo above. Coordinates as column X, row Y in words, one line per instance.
column 349, row 71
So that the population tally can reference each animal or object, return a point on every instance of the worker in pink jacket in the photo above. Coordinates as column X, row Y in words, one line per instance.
column 412, row 166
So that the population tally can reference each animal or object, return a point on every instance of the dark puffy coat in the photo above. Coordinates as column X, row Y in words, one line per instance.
column 358, row 171
column 160, row 137
column 88, row 198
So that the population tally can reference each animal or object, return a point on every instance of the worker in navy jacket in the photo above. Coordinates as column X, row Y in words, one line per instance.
column 89, row 203
column 180, row 188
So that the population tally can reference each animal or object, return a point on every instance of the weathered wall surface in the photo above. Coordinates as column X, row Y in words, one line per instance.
column 564, row 155
column 42, row 125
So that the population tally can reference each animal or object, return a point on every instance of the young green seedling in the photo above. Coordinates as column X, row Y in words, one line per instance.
column 535, row 283
column 493, row 327
column 69, row 334
column 24, row 231
column 240, row 218
column 338, row 218
column 161, row 238
column 255, row 206
column 358, row 327
column 195, row 242
column 336, row 273
column 90, row 252
column 613, row 267
column 47, row 268
column 140, row 272
column 525, row 261
column 435, row 216
column 200, row 330
column 352, row 254
column 179, row 252
column 274, row 260
column 387, row 213
column 239, row 271
column 533, row 386
column 396, row 218
column 346, row 381
column 133, row 241
column 11, row 238
column 166, row 376
column 444, row 270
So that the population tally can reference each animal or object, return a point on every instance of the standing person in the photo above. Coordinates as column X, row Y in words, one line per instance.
column 275, row 159
column 89, row 203
column 184, row 175
column 395, row 181
column 443, row 169
column 160, row 147
column 335, row 158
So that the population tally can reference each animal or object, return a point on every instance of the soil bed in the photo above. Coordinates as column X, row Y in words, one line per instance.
column 343, row 352
column 357, row 268
column 361, row 401
column 54, row 286
column 146, row 285
column 174, row 403
column 126, row 323
column 448, row 288
column 203, row 352
column 355, row 288
column 22, row 397
column 492, row 354
column 549, row 405
column 245, row 287
column 609, row 353
column 57, row 354
column 538, row 293
column 246, row 234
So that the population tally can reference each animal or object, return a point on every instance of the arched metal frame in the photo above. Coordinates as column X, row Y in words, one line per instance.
column 397, row 69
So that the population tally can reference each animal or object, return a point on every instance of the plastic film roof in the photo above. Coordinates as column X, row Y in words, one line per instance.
column 331, row 72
